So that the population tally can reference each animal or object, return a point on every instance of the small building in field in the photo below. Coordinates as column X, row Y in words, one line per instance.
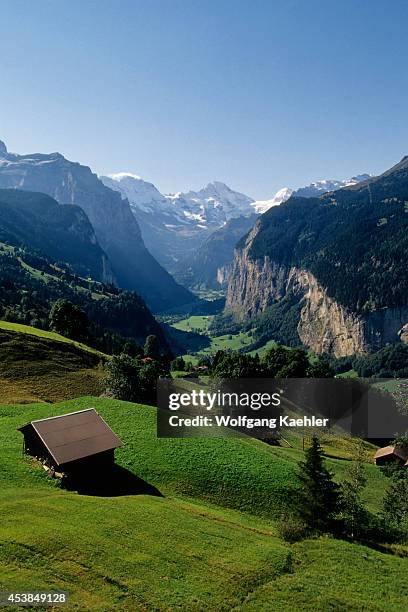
column 72, row 443
column 391, row 454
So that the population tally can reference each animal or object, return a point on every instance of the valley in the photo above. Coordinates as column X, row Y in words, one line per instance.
column 197, row 324
column 205, row 523
column 204, row 306
column 193, row 234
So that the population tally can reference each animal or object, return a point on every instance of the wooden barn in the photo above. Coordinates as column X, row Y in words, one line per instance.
column 78, row 442
column 391, row 454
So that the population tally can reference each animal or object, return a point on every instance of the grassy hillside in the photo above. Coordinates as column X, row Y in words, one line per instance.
column 201, row 468
column 132, row 552
column 336, row 575
column 41, row 333
column 264, row 349
column 185, row 550
column 239, row 473
column 36, row 365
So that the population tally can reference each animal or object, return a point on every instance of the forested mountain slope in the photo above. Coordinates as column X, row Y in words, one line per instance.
column 31, row 282
column 64, row 233
column 344, row 254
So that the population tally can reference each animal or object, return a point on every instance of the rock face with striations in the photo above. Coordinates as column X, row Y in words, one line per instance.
column 115, row 226
column 344, row 258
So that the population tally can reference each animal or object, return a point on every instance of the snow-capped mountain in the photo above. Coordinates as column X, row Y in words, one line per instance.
column 211, row 264
column 261, row 206
column 174, row 226
column 315, row 189
column 213, row 205
column 140, row 193
column 318, row 188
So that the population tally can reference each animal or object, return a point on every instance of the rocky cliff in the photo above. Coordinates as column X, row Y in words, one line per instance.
column 324, row 325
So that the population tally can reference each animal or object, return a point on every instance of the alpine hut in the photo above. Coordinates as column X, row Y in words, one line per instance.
column 72, row 443
column 391, row 454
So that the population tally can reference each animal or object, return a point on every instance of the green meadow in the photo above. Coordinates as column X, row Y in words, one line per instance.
column 198, row 323
column 201, row 324
column 205, row 539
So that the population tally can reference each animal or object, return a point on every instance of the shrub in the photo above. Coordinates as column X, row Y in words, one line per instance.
column 292, row 529
column 69, row 320
column 133, row 380
column 178, row 364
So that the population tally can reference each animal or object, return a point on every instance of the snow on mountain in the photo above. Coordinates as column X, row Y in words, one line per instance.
column 318, row 188
column 357, row 179
column 261, row 206
column 315, row 189
column 140, row 193
column 175, row 225
column 213, row 205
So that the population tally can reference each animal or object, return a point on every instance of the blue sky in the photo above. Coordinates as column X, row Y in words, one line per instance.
column 259, row 94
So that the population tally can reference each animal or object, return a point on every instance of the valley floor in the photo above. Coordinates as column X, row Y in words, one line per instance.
column 200, row 324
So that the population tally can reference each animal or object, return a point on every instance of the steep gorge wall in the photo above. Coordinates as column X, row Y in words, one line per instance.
column 254, row 284
column 324, row 325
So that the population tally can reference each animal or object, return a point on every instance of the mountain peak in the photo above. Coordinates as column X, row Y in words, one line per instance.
column 261, row 206
column 218, row 185
column 359, row 178
column 320, row 187
column 120, row 176
column 140, row 193
column 3, row 148
column 404, row 162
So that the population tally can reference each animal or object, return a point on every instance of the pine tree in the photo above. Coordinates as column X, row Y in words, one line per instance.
column 353, row 513
column 318, row 499
column 395, row 504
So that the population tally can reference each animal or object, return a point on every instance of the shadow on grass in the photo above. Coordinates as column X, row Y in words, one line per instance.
column 112, row 482
column 386, row 549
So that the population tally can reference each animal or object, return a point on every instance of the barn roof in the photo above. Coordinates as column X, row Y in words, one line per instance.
column 391, row 451
column 75, row 435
